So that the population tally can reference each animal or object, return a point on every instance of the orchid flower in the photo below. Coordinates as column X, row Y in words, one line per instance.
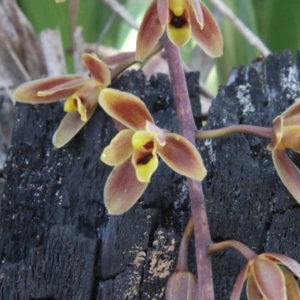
column 81, row 92
column 268, row 278
column 287, row 135
column 133, row 152
column 182, row 19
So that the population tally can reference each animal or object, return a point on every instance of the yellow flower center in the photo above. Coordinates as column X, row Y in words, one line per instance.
column 177, row 7
column 72, row 104
column 179, row 29
column 144, row 158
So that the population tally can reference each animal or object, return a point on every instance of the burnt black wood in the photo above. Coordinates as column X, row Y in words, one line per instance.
column 56, row 239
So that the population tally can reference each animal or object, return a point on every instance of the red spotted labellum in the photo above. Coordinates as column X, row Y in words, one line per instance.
column 133, row 152
column 182, row 19
column 81, row 94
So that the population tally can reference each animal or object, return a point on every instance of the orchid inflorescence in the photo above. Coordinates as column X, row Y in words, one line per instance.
column 134, row 151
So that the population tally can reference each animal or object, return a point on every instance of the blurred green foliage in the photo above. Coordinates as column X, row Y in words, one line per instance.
column 276, row 22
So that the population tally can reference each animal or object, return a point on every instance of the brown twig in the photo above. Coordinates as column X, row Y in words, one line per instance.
column 122, row 12
column 253, row 39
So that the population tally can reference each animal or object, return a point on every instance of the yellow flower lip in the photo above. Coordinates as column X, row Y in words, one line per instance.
column 183, row 19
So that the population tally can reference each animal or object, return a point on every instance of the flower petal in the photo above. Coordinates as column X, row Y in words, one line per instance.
column 49, row 89
column 149, row 33
column 209, row 38
column 163, row 11
column 290, row 263
column 122, row 189
column 252, row 290
column 291, row 111
column 145, row 164
column 277, row 133
column 269, row 279
column 69, row 127
column 291, row 133
column 239, row 283
column 196, row 7
column 99, row 70
column 182, row 285
column 125, row 108
column 292, row 288
column 119, row 149
column 182, row 156
column 120, row 58
column 288, row 172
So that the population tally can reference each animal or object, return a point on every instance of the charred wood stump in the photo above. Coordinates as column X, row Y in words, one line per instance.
column 57, row 241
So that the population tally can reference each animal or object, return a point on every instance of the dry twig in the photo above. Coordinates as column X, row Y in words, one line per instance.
column 253, row 39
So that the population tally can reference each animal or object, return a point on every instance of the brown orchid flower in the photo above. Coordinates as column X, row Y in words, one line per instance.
column 133, row 152
column 268, row 278
column 182, row 19
column 286, row 134
column 81, row 92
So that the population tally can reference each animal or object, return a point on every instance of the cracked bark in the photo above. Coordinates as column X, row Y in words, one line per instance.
column 57, row 241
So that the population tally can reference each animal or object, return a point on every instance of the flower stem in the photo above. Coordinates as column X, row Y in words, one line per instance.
column 182, row 262
column 264, row 132
column 187, row 128
column 238, row 246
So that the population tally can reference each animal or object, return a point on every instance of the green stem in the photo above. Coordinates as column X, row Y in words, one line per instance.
column 187, row 128
column 264, row 132
column 238, row 246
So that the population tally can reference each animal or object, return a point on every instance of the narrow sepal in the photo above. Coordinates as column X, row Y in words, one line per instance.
column 291, row 111
column 119, row 149
column 181, row 155
column 120, row 58
column 288, row 172
column 163, row 11
column 292, row 288
column 69, row 127
column 99, row 70
column 277, row 133
column 149, row 33
column 290, row 263
column 125, row 108
column 252, row 290
column 122, row 189
column 196, row 7
column 269, row 279
column 49, row 89
column 209, row 38
column 182, row 285
column 239, row 283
